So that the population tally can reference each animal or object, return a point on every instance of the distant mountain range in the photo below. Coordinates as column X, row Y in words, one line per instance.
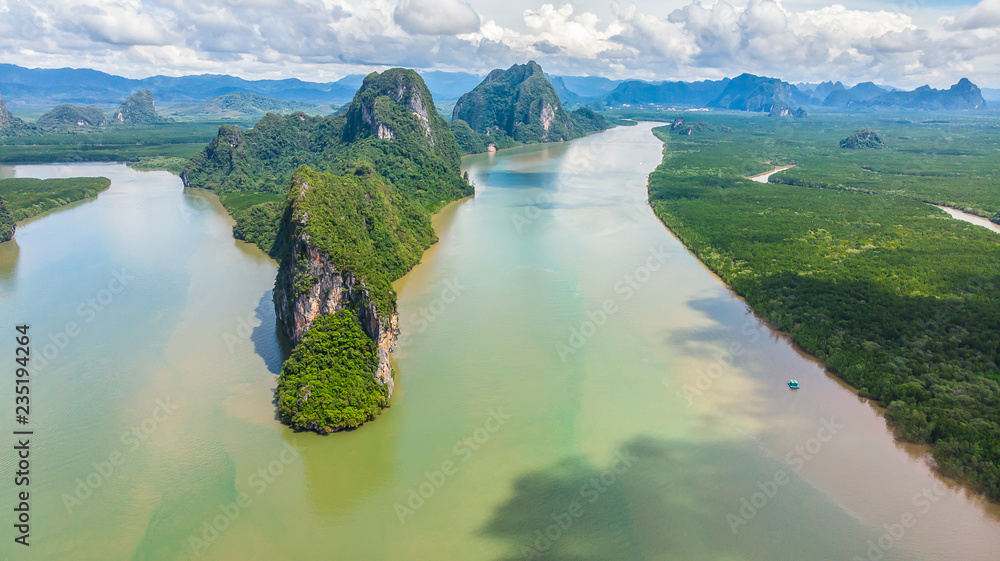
column 758, row 93
column 34, row 87
column 34, row 91
column 245, row 106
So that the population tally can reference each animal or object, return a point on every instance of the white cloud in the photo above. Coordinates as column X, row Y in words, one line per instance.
column 436, row 17
column 317, row 39
column 118, row 23
column 985, row 14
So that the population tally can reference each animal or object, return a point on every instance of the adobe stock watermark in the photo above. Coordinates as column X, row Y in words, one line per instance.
column 795, row 460
column 626, row 289
column 463, row 450
column 227, row 514
column 131, row 440
column 896, row 530
column 724, row 362
column 87, row 311
column 590, row 492
column 420, row 320
column 531, row 211
column 243, row 331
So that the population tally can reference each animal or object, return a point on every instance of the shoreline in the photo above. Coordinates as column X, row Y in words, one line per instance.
column 968, row 218
column 919, row 450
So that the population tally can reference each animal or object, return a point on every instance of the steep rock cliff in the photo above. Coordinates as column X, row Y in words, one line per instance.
column 328, row 290
column 345, row 239
column 515, row 106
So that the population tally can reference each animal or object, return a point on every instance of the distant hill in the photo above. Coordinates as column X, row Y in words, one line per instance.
column 867, row 90
column 747, row 92
column 9, row 124
column 245, row 106
column 138, row 109
column 517, row 105
column 679, row 94
column 824, row 89
column 860, row 93
column 68, row 116
column 862, row 139
column 962, row 96
column 450, row 85
column 47, row 87
column 567, row 96
column 590, row 86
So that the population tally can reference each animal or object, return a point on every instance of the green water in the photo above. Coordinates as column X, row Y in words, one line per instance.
column 565, row 368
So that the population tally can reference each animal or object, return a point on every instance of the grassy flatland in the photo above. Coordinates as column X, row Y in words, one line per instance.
column 172, row 140
column 891, row 294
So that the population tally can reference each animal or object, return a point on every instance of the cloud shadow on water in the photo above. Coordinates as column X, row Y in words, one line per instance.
column 670, row 500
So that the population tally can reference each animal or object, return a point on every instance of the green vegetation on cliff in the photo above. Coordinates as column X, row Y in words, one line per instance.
column 25, row 197
column 891, row 294
column 364, row 184
column 391, row 125
column 68, row 116
column 138, row 109
column 518, row 106
column 329, row 381
column 365, row 227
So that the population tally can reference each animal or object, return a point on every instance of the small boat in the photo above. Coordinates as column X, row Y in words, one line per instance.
column 794, row 384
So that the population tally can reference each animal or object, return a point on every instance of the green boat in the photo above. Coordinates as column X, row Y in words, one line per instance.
column 794, row 384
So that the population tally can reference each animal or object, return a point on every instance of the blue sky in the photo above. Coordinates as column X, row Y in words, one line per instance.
column 907, row 43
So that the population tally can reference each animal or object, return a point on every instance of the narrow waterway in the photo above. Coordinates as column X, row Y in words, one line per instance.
column 571, row 383
column 970, row 218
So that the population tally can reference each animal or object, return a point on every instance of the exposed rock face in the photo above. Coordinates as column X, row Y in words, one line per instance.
column 331, row 290
column 520, row 102
column 138, row 109
column 371, row 114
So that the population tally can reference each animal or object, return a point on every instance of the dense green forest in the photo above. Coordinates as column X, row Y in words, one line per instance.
column 7, row 223
column 25, row 197
column 890, row 293
column 329, row 383
column 118, row 144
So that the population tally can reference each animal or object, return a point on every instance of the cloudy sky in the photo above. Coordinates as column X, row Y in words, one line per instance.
column 905, row 43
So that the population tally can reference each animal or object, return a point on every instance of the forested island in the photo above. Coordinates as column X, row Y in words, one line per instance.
column 363, row 186
column 24, row 198
column 344, row 203
column 842, row 253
